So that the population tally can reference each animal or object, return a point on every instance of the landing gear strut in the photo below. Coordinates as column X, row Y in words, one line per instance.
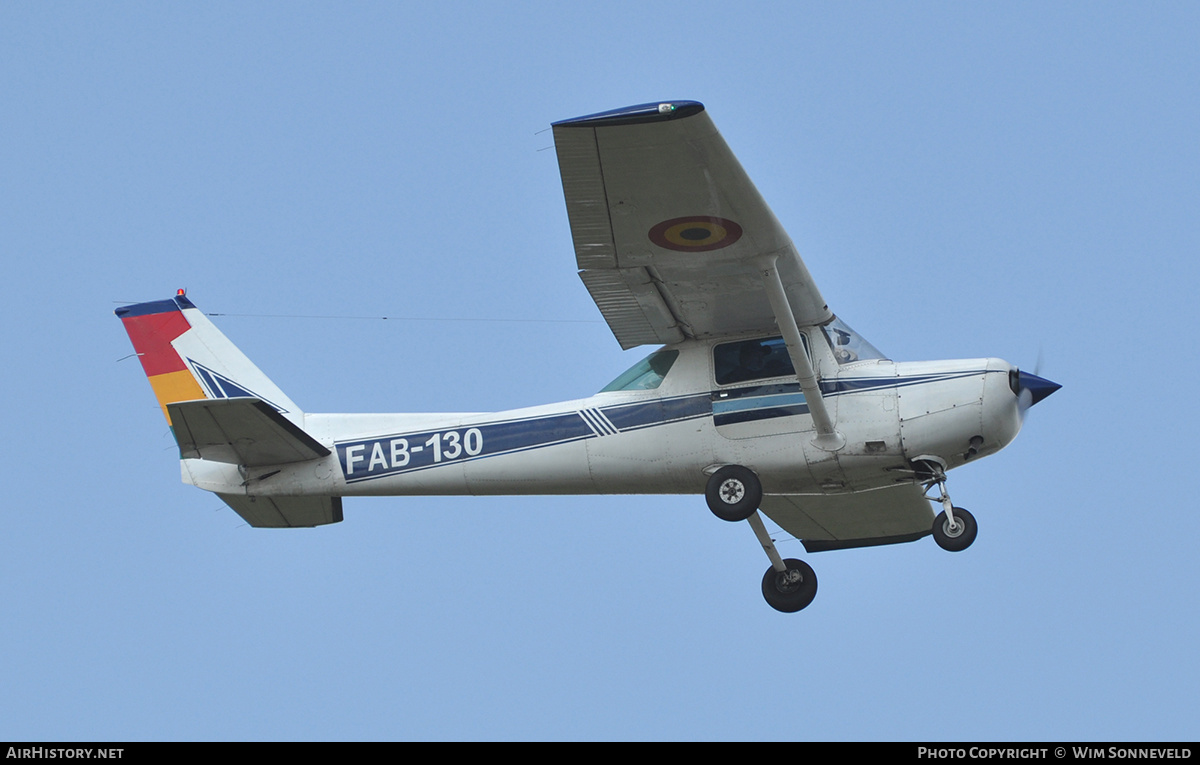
column 789, row 585
column 954, row 529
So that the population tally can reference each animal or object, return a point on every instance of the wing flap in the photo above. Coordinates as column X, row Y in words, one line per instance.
column 632, row 305
column 285, row 512
column 837, row 521
column 242, row 431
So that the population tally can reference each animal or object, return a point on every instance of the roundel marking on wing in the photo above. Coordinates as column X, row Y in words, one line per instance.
column 695, row 233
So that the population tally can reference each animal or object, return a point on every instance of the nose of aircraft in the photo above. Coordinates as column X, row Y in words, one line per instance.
column 1037, row 388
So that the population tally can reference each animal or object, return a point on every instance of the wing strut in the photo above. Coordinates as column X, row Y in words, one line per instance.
column 828, row 439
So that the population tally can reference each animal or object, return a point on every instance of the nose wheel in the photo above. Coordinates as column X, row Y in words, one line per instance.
column 954, row 529
column 954, row 532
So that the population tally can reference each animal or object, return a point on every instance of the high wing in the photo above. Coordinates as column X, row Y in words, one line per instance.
column 838, row 521
column 670, row 234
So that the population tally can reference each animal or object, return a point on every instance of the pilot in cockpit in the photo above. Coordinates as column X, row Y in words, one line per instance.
column 752, row 359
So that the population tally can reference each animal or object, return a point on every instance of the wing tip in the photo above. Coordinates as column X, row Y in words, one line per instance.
column 659, row 111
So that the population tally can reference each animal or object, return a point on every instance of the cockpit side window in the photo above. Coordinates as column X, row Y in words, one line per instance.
column 747, row 360
column 647, row 374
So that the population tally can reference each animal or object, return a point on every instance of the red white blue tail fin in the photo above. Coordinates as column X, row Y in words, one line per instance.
column 186, row 358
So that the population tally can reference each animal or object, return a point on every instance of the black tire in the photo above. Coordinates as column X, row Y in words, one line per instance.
column 955, row 539
column 792, row 590
column 733, row 493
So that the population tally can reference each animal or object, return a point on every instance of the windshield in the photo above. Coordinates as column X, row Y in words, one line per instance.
column 849, row 346
column 647, row 374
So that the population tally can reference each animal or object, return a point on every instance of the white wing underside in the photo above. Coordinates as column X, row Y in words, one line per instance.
column 833, row 521
column 669, row 230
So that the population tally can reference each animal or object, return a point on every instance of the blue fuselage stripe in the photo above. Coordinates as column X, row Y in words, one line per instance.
column 378, row 456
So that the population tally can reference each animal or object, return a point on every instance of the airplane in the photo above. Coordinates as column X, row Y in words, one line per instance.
column 758, row 395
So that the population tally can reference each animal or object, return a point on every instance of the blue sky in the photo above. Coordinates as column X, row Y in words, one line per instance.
column 963, row 179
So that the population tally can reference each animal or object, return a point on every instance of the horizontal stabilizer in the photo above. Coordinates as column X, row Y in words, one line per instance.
column 838, row 521
column 285, row 512
column 242, row 431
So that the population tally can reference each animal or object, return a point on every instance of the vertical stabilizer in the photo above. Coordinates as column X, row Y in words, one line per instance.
column 186, row 358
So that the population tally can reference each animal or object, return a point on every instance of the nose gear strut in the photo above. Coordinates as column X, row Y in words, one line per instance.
column 954, row 529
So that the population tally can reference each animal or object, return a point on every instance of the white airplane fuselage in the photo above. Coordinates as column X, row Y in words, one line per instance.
column 661, row 441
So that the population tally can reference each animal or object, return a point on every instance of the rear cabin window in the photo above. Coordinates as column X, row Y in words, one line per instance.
column 748, row 360
column 647, row 374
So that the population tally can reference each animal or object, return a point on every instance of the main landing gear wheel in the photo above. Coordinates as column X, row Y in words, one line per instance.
column 956, row 536
column 791, row 590
column 733, row 493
